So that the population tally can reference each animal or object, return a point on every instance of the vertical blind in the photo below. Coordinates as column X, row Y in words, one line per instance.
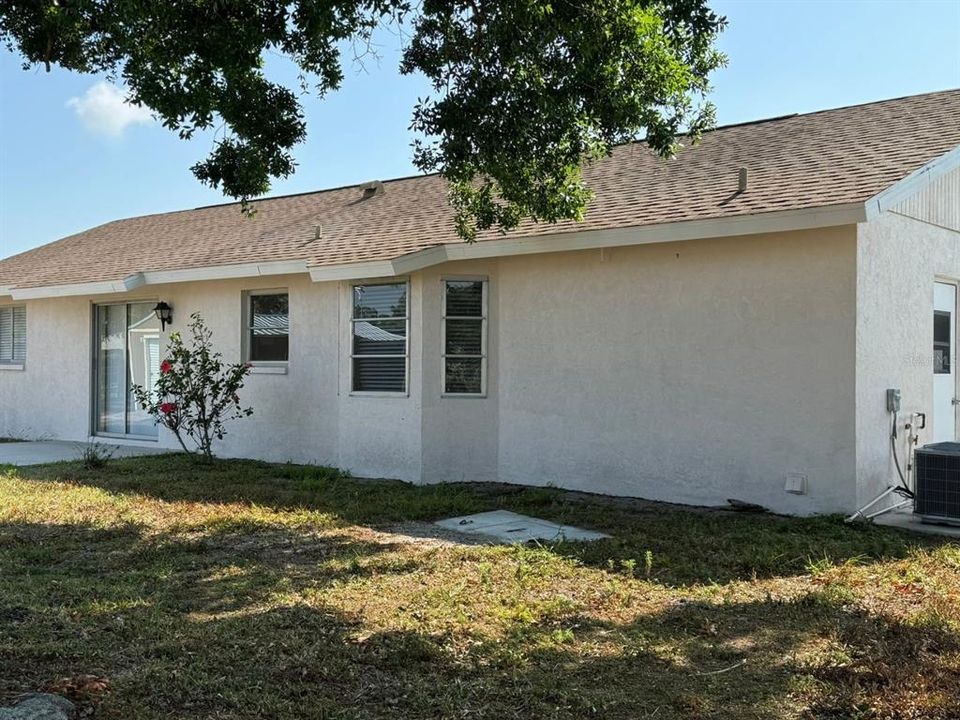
column 127, row 353
column 13, row 334
column 464, row 337
column 379, row 338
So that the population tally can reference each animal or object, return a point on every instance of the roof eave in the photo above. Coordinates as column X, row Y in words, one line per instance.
column 782, row 221
column 104, row 287
column 160, row 277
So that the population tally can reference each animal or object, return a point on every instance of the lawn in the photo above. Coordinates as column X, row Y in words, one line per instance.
column 155, row 588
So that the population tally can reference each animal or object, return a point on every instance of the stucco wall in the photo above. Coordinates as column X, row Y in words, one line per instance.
column 295, row 415
column 305, row 415
column 460, row 438
column 692, row 372
column 899, row 259
column 381, row 436
column 50, row 396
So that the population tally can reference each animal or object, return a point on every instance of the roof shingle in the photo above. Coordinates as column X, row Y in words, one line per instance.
column 826, row 158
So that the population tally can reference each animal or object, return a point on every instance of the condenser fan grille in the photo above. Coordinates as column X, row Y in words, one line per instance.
column 938, row 482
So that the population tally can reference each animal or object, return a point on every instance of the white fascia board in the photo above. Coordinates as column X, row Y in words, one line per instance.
column 353, row 271
column 829, row 216
column 225, row 272
column 913, row 183
column 4, row 290
column 421, row 259
column 809, row 218
column 162, row 277
column 669, row 232
column 106, row 287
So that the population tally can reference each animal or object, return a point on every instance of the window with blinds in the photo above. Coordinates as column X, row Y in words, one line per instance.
column 380, row 324
column 13, row 334
column 464, row 337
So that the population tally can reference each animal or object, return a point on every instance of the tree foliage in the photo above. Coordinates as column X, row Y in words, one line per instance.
column 525, row 91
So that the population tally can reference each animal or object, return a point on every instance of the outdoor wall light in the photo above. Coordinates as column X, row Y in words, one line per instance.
column 164, row 314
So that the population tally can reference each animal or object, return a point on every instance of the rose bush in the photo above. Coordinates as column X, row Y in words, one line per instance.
column 196, row 393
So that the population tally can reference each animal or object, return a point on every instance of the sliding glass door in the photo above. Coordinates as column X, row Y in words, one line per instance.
column 127, row 353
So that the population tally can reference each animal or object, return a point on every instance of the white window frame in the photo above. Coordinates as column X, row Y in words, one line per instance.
column 13, row 363
column 484, row 326
column 406, row 354
column 271, row 367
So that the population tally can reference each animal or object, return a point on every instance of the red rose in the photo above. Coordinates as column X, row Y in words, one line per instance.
column 165, row 367
column 168, row 407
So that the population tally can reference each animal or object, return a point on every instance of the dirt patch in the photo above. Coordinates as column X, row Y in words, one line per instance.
column 425, row 534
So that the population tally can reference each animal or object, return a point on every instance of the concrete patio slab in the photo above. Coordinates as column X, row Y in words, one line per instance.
column 511, row 527
column 906, row 520
column 41, row 452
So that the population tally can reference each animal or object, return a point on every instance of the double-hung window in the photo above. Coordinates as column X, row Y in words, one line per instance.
column 268, row 326
column 13, row 334
column 379, row 329
column 464, row 337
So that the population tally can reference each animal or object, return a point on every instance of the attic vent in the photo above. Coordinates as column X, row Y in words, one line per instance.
column 371, row 189
column 742, row 180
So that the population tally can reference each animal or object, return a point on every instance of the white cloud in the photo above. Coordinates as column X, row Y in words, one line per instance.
column 103, row 109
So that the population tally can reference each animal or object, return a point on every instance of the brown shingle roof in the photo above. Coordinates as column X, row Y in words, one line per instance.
column 826, row 158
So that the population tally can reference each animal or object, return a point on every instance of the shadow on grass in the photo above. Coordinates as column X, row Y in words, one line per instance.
column 212, row 571
column 186, row 628
column 682, row 545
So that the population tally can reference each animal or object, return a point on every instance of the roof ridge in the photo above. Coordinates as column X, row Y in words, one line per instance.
column 835, row 109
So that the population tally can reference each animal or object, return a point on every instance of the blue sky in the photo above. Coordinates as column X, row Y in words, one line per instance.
column 64, row 167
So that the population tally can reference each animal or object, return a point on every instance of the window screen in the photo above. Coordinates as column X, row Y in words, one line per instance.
column 13, row 334
column 464, row 337
column 269, row 331
column 379, row 343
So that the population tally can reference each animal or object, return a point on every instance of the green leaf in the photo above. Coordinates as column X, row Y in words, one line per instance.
column 526, row 93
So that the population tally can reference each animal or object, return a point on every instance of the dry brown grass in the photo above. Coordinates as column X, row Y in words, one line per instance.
column 156, row 589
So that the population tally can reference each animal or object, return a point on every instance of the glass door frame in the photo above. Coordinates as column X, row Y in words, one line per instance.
column 95, row 371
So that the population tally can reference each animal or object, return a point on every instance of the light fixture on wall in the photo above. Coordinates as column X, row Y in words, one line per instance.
column 164, row 314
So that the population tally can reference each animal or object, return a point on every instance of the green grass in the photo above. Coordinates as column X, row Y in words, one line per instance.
column 156, row 588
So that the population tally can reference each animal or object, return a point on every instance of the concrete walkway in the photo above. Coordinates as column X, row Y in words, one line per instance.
column 49, row 451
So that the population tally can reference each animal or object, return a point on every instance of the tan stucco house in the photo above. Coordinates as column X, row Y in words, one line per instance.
column 722, row 325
